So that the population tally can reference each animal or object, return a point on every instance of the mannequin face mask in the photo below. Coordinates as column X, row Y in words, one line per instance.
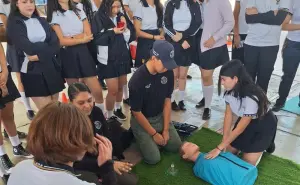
column 188, row 150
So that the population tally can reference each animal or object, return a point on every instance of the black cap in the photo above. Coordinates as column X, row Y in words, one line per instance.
column 165, row 52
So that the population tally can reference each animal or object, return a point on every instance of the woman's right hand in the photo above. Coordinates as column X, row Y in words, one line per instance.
column 158, row 139
column 177, row 37
column 121, row 167
column 237, row 41
column 104, row 149
column 119, row 30
column 33, row 58
column 159, row 37
column 87, row 38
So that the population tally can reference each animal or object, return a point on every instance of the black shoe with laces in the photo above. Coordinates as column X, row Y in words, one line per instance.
column 206, row 114
column 175, row 106
column 271, row 148
column 6, row 163
column 181, row 106
column 277, row 107
column 19, row 151
column 5, row 178
column 30, row 114
column 126, row 101
column 22, row 135
column 103, row 85
column 119, row 114
column 200, row 104
column 189, row 77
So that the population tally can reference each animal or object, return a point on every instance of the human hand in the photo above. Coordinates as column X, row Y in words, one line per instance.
column 3, row 78
column 251, row 11
column 4, row 91
column 237, row 41
column 177, row 37
column 87, row 38
column 275, row 12
column 159, row 37
column 158, row 139
column 213, row 154
column 119, row 30
column 185, row 45
column 166, row 136
column 33, row 58
column 210, row 42
column 104, row 149
column 121, row 167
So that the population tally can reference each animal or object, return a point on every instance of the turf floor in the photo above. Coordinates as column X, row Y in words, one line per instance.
column 272, row 170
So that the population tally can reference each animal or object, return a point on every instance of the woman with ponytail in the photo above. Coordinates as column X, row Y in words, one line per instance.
column 254, row 131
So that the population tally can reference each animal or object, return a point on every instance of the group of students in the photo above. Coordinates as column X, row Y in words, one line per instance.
column 81, row 45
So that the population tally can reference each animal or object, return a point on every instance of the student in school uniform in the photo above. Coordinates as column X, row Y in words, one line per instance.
column 150, row 90
column 69, row 133
column 290, row 53
column 37, row 46
column 111, row 39
column 12, row 59
column 218, row 23
column 147, row 18
column 240, row 29
column 81, row 97
column 254, row 131
column 182, row 21
column 262, row 42
column 73, row 30
column 8, row 94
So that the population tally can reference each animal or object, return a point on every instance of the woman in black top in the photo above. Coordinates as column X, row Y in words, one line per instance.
column 37, row 46
column 111, row 37
column 81, row 97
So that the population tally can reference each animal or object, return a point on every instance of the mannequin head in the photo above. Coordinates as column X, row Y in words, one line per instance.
column 189, row 151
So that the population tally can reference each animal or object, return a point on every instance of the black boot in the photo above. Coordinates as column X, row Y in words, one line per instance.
column 181, row 105
column 206, row 114
column 271, row 148
column 175, row 106
column 200, row 104
column 277, row 107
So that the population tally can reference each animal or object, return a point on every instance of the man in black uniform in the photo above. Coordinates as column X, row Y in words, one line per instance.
column 150, row 90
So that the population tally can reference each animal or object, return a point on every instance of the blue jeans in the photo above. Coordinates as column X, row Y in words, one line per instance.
column 291, row 60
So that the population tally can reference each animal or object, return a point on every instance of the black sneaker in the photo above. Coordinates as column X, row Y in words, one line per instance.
column 30, row 114
column 206, row 114
column 189, row 77
column 19, row 151
column 277, row 107
column 21, row 135
column 119, row 114
column 175, row 106
column 126, row 101
column 6, row 163
column 5, row 178
column 271, row 148
column 103, row 84
column 181, row 106
column 200, row 104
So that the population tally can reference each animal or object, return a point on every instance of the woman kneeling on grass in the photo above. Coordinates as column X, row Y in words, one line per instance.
column 59, row 135
column 255, row 130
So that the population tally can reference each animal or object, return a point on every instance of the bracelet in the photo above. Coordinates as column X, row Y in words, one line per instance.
column 218, row 148
column 154, row 134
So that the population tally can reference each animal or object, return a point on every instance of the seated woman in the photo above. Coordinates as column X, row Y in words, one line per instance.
column 225, row 169
column 81, row 97
column 58, row 136
column 254, row 131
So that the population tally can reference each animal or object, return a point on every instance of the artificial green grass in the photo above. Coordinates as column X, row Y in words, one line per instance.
column 272, row 170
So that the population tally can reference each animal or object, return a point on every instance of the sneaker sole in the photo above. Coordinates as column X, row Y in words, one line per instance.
column 120, row 119
column 22, row 156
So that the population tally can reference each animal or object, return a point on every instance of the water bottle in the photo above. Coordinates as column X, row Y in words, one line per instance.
column 172, row 170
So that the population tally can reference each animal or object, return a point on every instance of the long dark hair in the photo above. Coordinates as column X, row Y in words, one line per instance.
column 159, row 11
column 54, row 5
column 76, row 88
column 177, row 3
column 245, row 86
column 106, row 6
column 87, row 8
column 14, row 9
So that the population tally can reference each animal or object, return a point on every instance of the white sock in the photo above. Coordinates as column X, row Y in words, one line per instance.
column 173, row 97
column 208, row 94
column 118, row 105
column 110, row 113
column 125, row 92
column 100, row 105
column 181, row 95
column 2, row 150
column 15, row 141
column 25, row 101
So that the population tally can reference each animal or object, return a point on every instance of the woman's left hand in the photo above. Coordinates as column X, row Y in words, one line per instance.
column 213, row 154
column 121, row 167
column 210, row 42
